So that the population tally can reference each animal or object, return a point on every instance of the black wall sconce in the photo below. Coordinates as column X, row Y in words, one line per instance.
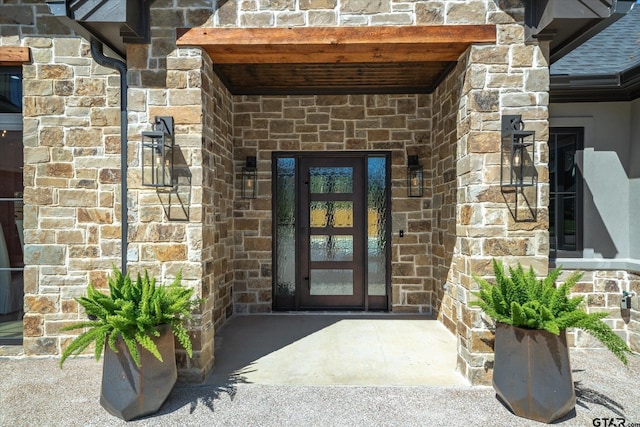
column 157, row 153
column 518, row 153
column 517, row 166
column 249, row 178
column 414, row 177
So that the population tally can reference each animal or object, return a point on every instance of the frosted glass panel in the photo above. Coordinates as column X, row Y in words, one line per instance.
column 331, row 214
column 285, row 227
column 331, row 248
column 376, row 226
column 331, row 282
column 331, row 180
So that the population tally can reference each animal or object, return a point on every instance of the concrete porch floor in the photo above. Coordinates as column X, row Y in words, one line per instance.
column 335, row 349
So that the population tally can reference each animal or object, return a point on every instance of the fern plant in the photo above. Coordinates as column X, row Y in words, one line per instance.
column 523, row 301
column 132, row 310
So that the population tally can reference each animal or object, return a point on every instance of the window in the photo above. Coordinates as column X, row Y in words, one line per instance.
column 11, row 212
column 565, row 192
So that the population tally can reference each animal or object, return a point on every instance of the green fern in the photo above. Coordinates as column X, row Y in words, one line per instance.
column 132, row 310
column 522, row 300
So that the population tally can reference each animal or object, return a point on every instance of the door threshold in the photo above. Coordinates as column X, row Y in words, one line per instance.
column 342, row 313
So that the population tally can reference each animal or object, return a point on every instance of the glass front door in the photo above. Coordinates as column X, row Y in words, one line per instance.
column 331, row 231
column 332, row 226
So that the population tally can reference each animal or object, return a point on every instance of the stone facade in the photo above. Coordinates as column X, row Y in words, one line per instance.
column 328, row 13
column 602, row 291
column 72, row 175
column 71, row 180
column 222, row 243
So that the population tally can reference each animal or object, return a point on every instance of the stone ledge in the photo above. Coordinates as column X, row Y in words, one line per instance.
column 629, row 264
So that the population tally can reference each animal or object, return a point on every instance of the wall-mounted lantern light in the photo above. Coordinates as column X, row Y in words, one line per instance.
column 249, row 178
column 517, row 167
column 414, row 177
column 518, row 175
column 157, row 153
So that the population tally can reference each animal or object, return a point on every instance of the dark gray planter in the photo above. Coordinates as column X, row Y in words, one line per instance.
column 532, row 373
column 130, row 392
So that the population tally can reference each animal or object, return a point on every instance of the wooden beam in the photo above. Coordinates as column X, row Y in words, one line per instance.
column 338, row 35
column 13, row 55
column 336, row 44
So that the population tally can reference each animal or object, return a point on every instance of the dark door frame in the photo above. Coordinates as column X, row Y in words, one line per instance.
column 371, row 303
column 304, row 299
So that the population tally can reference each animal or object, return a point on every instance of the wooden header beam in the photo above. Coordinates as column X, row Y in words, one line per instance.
column 13, row 55
column 316, row 45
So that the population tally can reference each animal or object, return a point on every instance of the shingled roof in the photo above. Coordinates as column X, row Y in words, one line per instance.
column 604, row 68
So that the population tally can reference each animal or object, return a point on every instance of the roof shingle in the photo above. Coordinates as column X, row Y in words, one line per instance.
column 613, row 50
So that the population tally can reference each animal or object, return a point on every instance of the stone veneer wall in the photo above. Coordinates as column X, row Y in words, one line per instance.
column 188, row 230
column 602, row 291
column 444, row 188
column 327, row 13
column 395, row 123
column 71, row 172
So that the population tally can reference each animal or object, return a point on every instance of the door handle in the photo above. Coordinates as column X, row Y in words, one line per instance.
column 308, row 283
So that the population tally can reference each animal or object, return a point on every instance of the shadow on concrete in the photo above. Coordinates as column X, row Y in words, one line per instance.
column 197, row 395
column 586, row 396
column 246, row 339
column 335, row 349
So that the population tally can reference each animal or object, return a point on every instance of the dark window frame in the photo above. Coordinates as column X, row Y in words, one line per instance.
column 556, row 215
column 11, row 120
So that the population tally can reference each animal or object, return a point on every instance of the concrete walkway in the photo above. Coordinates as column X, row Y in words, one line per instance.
column 36, row 392
column 336, row 349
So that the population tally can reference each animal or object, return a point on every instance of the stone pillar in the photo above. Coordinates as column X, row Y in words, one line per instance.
column 188, row 229
column 508, row 78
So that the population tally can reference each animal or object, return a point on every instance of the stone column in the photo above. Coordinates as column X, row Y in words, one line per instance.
column 189, row 228
column 508, row 78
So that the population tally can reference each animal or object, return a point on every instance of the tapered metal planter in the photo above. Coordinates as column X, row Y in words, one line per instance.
column 130, row 392
column 532, row 373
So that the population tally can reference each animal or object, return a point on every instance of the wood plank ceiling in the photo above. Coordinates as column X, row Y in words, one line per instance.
column 335, row 60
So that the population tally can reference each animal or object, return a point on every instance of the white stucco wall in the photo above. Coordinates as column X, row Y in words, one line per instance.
column 606, row 165
column 634, row 180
